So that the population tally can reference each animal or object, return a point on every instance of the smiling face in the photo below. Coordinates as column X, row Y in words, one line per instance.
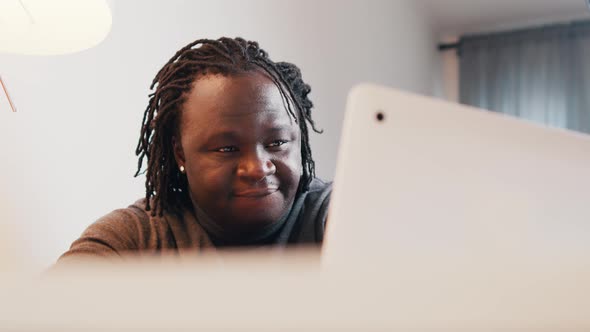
column 241, row 151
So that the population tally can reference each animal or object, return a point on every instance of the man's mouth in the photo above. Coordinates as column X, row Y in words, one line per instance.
column 256, row 192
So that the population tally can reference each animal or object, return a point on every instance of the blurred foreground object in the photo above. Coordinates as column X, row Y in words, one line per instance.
column 256, row 292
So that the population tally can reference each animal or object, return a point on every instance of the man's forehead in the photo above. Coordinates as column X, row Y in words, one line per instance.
column 267, row 120
column 252, row 85
column 266, row 115
column 243, row 123
column 211, row 98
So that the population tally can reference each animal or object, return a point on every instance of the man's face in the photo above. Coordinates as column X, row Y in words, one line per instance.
column 241, row 151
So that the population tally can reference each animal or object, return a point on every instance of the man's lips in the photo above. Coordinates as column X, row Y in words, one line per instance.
column 256, row 192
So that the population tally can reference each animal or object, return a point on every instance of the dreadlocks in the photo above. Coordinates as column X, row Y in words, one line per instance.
column 225, row 56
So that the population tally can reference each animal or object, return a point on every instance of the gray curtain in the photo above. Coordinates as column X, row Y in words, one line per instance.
column 539, row 74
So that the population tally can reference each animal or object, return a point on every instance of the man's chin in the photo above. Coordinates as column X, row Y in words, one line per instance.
column 246, row 222
column 255, row 221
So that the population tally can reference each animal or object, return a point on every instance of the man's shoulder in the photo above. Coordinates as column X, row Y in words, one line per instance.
column 319, row 185
column 137, row 211
column 318, row 196
column 135, row 221
column 132, row 219
column 130, row 228
column 313, row 212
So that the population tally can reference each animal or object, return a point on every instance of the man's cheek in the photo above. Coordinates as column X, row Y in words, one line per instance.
column 296, row 161
column 219, row 179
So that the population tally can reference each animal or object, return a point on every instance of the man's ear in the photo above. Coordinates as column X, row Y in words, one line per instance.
column 178, row 151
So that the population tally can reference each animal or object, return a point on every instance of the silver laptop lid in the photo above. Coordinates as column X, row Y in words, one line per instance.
column 420, row 175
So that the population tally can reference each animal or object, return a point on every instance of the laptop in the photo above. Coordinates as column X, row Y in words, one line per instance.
column 417, row 175
column 443, row 218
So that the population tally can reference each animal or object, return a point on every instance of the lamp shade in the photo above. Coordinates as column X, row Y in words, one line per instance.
column 52, row 27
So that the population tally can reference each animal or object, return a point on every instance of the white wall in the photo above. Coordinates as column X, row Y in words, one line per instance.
column 446, row 73
column 68, row 153
column 457, row 17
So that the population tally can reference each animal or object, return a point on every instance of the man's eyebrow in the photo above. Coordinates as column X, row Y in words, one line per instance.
column 230, row 135
column 223, row 135
column 280, row 128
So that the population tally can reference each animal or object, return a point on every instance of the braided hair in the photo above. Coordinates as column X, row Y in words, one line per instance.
column 226, row 56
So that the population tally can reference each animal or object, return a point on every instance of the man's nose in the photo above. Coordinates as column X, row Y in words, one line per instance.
column 255, row 166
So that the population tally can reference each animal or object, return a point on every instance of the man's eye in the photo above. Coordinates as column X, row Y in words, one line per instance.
column 277, row 143
column 227, row 149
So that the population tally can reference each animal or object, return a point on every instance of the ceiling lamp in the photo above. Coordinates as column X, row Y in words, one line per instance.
column 51, row 27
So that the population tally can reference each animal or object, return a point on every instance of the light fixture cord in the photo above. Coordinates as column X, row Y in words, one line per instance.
column 7, row 95
column 27, row 11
